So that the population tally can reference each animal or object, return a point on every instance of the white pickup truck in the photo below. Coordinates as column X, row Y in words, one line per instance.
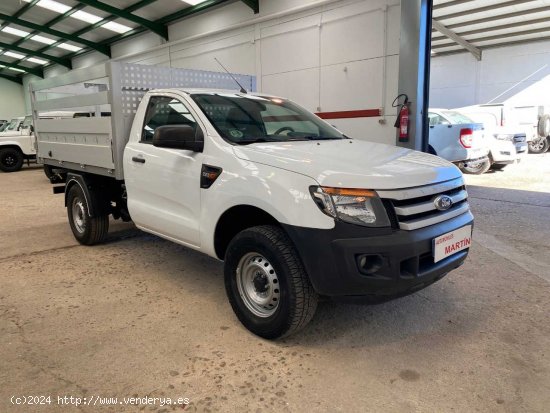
column 296, row 209
column 16, row 144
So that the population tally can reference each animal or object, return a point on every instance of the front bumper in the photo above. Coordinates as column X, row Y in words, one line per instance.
column 331, row 256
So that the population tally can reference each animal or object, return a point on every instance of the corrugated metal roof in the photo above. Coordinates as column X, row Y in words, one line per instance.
column 37, row 33
column 489, row 23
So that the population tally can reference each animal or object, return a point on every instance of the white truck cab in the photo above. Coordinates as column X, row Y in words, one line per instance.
column 17, row 144
column 294, row 208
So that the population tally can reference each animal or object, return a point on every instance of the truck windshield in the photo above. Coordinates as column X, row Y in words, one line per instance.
column 14, row 124
column 248, row 119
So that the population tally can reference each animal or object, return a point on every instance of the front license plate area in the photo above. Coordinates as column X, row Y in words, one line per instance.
column 452, row 242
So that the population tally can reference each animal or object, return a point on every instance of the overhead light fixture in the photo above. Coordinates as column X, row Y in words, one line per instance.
column 39, row 61
column 191, row 2
column 12, row 68
column 116, row 27
column 42, row 39
column 15, row 55
column 15, row 32
column 81, row 15
column 69, row 47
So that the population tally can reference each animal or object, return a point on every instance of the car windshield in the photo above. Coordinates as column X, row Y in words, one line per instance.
column 245, row 119
column 457, row 118
column 14, row 123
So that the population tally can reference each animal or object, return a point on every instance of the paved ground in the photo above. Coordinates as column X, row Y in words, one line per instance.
column 139, row 316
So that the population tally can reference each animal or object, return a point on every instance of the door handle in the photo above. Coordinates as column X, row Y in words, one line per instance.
column 138, row 159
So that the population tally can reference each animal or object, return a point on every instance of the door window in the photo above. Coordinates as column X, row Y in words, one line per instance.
column 164, row 110
column 436, row 119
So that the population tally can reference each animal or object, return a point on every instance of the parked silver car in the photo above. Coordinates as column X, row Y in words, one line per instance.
column 458, row 139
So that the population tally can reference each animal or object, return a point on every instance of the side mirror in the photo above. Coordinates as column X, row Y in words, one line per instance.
column 179, row 137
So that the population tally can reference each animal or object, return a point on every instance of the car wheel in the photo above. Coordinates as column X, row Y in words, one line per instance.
column 540, row 145
column 11, row 160
column 477, row 167
column 266, row 283
column 86, row 229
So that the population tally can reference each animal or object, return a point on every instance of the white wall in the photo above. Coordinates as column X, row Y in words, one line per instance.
column 342, row 55
column 519, row 75
column 12, row 103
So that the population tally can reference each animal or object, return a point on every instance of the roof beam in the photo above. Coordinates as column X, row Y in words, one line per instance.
column 499, row 37
column 12, row 78
column 188, row 11
column 451, row 4
column 29, row 52
column 495, row 28
column 92, row 45
column 253, row 4
column 157, row 28
column 441, row 28
column 64, row 62
column 499, row 17
column 34, row 71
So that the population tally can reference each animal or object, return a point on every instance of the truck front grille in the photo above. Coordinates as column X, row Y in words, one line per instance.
column 414, row 208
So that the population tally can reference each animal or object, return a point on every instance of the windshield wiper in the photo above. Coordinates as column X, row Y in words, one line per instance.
column 254, row 140
column 320, row 138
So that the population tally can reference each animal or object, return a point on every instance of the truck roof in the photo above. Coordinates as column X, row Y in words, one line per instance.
column 192, row 91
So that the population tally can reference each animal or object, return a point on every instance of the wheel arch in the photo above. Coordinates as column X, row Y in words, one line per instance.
column 97, row 205
column 236, row 219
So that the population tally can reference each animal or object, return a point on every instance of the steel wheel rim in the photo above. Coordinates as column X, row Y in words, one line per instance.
column 258, row 285
column 79, row 214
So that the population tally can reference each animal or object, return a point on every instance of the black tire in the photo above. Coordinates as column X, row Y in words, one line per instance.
column 11, row 159
column 87, row 230
column 297, row 300
column 498, row 166
column 475, row 167
column 544, row 126
column 539, row 145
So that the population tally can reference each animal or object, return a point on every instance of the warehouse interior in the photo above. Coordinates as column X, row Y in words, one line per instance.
column 121, row 284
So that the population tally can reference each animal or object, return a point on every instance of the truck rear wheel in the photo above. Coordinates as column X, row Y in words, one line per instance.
column 11, row 159
column 476, row 167
column 266, row 283
column 86, row 229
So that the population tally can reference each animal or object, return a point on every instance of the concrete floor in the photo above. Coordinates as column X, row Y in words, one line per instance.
column 140, row 316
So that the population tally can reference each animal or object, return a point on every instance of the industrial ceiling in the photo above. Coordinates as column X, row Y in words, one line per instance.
column 476, row 25
column 37, row 33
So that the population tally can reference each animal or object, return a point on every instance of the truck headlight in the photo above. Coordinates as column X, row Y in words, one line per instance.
column 504, row 137
column 356, row 206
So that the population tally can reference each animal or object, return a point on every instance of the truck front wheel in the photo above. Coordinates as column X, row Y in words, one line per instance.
column 266, row 283
column 11, row 160
column 86, row 229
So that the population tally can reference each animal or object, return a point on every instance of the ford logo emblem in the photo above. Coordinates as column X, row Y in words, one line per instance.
column 443, row 202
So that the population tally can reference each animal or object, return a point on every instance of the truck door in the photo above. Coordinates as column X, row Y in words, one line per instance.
column 163, row 185
column 444, row 136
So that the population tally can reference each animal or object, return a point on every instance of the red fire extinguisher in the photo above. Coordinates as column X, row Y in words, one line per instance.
column 402, row 121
